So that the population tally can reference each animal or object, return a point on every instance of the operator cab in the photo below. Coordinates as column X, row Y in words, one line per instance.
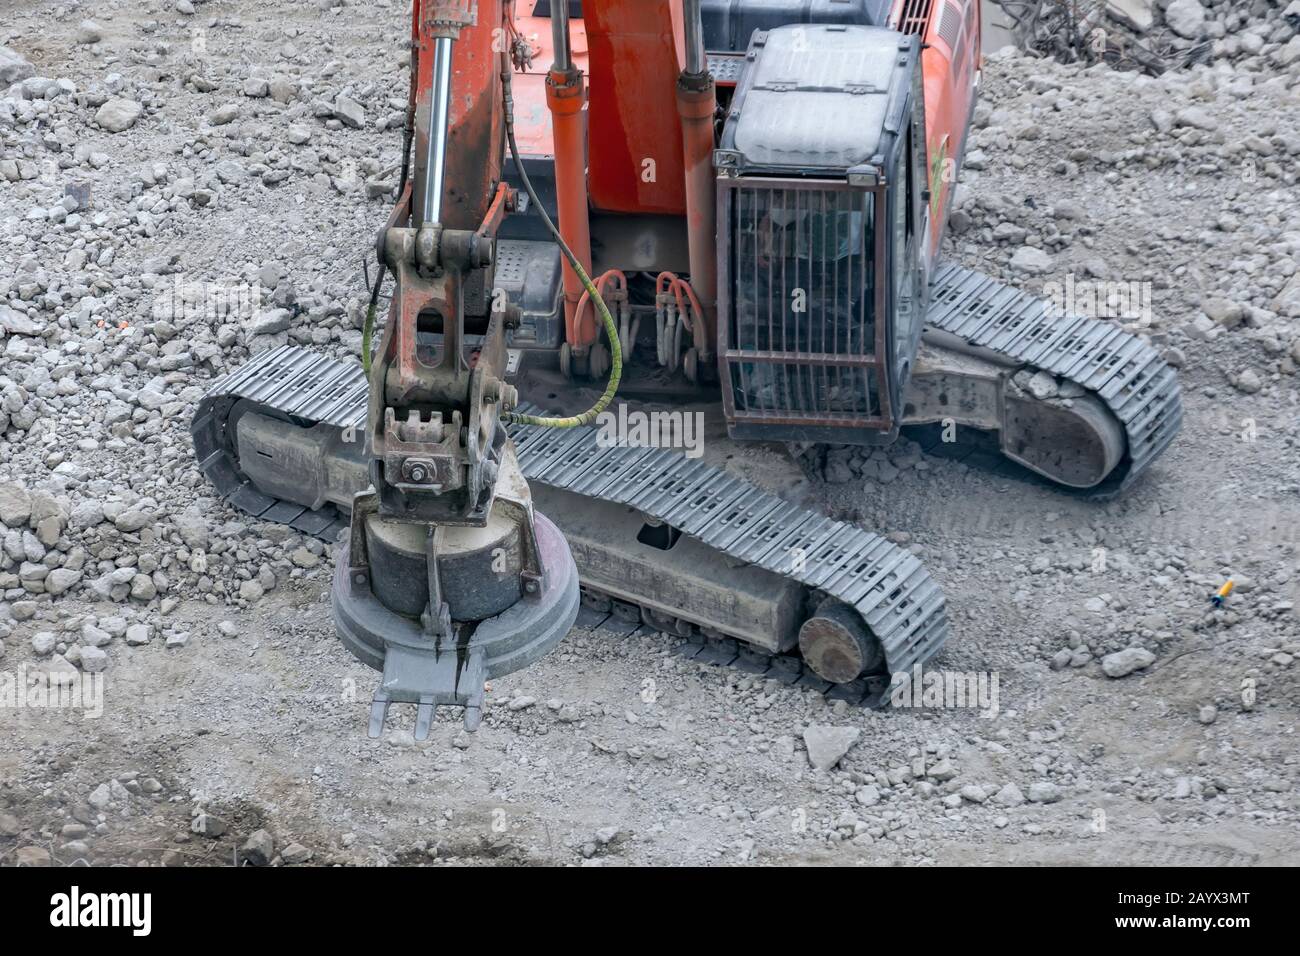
column 820, row 228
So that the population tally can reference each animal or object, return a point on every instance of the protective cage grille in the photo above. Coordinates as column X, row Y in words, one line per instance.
column 799, row 301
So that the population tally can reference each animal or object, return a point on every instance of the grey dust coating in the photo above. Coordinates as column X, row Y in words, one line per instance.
column 1121, row 369
column 887, row 585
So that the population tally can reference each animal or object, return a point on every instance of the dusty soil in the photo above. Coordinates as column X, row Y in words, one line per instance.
column 242, row 712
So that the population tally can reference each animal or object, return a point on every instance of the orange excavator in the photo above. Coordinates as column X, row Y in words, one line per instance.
column 719, row 201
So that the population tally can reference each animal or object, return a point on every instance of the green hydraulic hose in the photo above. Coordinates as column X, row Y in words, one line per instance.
column 369, row 328
column 611, row 330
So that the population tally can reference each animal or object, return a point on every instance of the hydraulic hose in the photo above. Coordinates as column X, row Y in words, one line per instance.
column 611, row 330
column 408, row 137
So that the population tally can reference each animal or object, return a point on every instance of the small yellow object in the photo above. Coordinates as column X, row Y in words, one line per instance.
column 1222, row 594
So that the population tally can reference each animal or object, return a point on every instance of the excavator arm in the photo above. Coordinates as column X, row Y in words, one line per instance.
column 779, row 152
column 447, row 576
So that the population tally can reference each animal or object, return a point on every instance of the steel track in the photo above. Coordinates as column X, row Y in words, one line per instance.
column 887, row 585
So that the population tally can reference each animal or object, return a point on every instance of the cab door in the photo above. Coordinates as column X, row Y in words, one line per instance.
column 905, row 236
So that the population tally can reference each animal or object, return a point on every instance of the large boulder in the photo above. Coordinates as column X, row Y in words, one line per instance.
column 1186, row 18
column 1125, row 662
column 1139, row 15
column 118, row 114
column 1031, row 260
column 14, row 68
column 826, row 745
column 15, row 505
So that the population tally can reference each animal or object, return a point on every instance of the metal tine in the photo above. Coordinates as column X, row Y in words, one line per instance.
column 1058, row 352
column 854, row 546
column 1020, row 309
column 609, row 463
column 1117, row 392
column 573, row 455
column 927, row 594
column 1070, row 348
column 1035, row 354
column 950, row 305
column 653, row 471
column 847, row 545
column 1137, row 405
column 899, row 595
column 1007, row 328
column 274, row 384
column 542, row 460
column 1009, row 332
column 976, row 309
column 576, row 461
column 774, row 527
column 885, row 565
column 343, row 409
column 1101, row 349
column 905, row 618
column 1145, row 369
column 530, row 436
column 651, row 487
column 526, row 435
column 728, row 511
column 309, row 390
column 1116, row 363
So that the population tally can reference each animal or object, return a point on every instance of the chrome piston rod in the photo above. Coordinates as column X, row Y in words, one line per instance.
column 435, row 156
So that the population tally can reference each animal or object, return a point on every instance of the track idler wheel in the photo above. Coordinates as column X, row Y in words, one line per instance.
column 837, row 645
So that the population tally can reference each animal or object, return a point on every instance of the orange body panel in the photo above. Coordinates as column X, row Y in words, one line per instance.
column 532, row 116
column 947, row 71
column 634, row 135
column 475, row 140
column 630, row 53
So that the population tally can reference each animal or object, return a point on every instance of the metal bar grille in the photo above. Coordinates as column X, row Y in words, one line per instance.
column 799, row 303
column 916, row 16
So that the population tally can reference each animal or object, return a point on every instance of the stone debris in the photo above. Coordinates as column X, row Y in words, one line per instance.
column 1125, row 662
column 118, row 115
column 144, row 190
column 14, row 67
column 828, row 745
column 259, row 848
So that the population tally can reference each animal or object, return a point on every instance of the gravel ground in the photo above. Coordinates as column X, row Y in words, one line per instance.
column 180, row 189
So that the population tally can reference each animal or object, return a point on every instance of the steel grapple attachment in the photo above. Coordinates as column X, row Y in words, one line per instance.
column 435, row 660
column 440, row 608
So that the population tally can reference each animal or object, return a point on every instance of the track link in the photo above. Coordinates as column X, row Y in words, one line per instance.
column 1128, row 375
column 888, row 586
